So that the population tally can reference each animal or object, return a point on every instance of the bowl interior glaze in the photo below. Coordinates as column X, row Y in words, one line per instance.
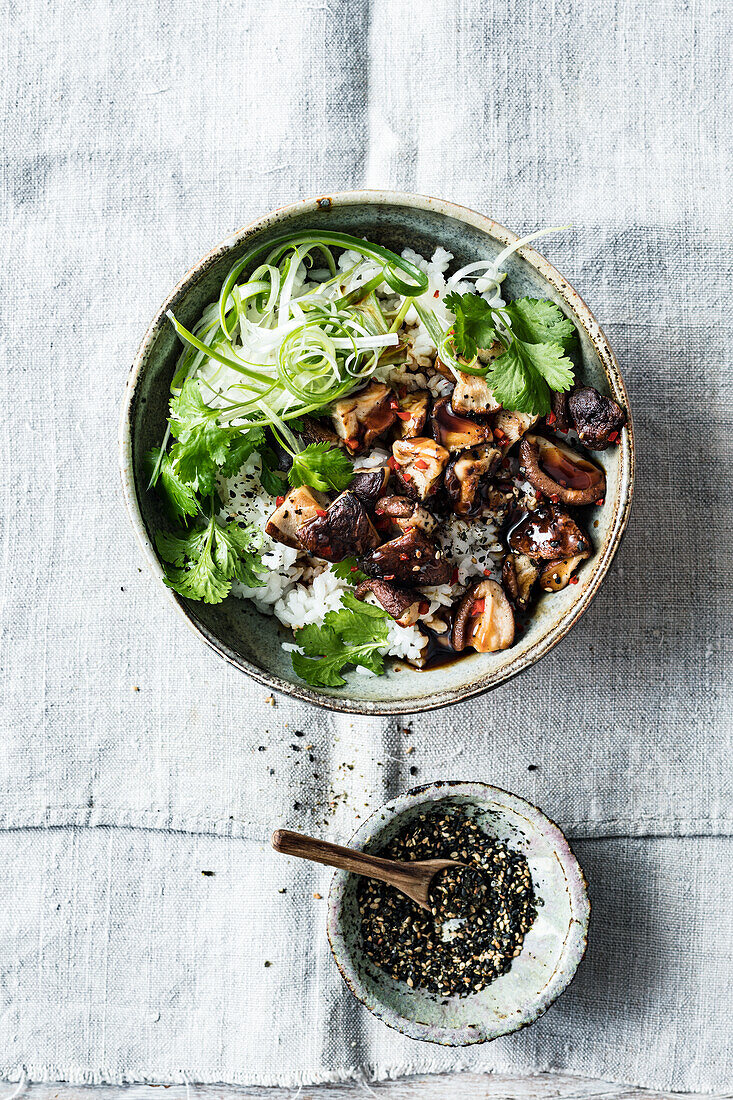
column 552, row 948
column 234, row 628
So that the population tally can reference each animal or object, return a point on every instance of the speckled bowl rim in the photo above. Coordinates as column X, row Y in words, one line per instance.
column 583, row 316
column 575, row 942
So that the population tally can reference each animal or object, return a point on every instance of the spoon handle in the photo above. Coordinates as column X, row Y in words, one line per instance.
column 396, row 873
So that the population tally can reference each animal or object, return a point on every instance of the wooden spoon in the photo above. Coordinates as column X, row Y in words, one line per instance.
column 413, row 879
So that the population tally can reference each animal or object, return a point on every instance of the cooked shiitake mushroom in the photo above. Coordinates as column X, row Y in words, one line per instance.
column 412, row 414
column 399, row 513
column 454, row 432
column 419, row 465
column 464, row 474
column 484, row 620
column 344, row 529
column 403, row 605
column 518, row 575
column 598, row 420
column 560, row 472
column 318, row 431
column 411, row 559
column 369, row 484
column 548, row 534
column 473, row 395
column 558, row 418
column 557, row 574
column 297, row 508
column 362, row 417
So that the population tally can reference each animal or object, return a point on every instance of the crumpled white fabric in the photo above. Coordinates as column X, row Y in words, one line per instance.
column 136, row 136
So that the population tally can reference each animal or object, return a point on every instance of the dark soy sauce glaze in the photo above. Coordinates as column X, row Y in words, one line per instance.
column 564, row 472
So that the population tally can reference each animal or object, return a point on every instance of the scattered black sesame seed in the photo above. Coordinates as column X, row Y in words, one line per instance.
column 532, row 767
column 209, row 874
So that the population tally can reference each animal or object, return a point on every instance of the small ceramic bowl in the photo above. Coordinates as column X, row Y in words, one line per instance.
column 234, row 628
column 552, row 948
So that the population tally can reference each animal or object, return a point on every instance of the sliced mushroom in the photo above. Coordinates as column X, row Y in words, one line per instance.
column 298, row 507
column 411, row 559
column 557, row 574
column 412, row 414
column 518, row 575
column 598, row 420
column 369, row 484
column 399, row 513
column 419, row 465
column 558, row 418
column 464, row 474
column 548, row 534
column 511, row 426
column 343, row 529
column 318, row 431
column 559, row 472
column 405, row 607
column 485, row 619
column 457, row 433
column 362, row 417
column 473, row 395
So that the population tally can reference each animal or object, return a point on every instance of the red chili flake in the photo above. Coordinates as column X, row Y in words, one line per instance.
column 454, row 577
column 554, row 498
column 389, row 576
column 394, row 403
column 403, row 415
column 613, row 436
column 393, row 463
column 424, row 607
column 437, row 294
column 404, row 557
column 487, row 572
column 421, row 464
column 320, row 511
column 279, row 501
column 550, row 418
column 354, row 569
column 499, row 434
column 573, row 580
column 601, row 501
column 563, row 430
column 478, row 608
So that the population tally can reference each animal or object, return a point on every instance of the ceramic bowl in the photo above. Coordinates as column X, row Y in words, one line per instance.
column 552, row 948
column 234, row 628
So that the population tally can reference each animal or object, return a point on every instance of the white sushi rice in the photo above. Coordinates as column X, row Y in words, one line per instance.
column 300, row 590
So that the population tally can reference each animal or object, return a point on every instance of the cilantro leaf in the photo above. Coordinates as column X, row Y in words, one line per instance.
column 179, row 498
column 474, row 326
column 348, row 570
column 203, row 447
column 521, row 378
column 353, row 635
column 201, row 563
column 322, row 467
column 540, row 321
column 535, row 336
column 271, row 479
column 241, row 446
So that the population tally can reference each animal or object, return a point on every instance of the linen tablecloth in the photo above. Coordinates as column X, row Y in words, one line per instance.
column 135, row 137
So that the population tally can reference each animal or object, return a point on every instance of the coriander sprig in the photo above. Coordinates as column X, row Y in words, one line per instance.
column 354, row 635
column 535, row 337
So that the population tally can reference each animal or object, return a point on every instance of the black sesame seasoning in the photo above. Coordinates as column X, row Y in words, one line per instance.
column 480, row 912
